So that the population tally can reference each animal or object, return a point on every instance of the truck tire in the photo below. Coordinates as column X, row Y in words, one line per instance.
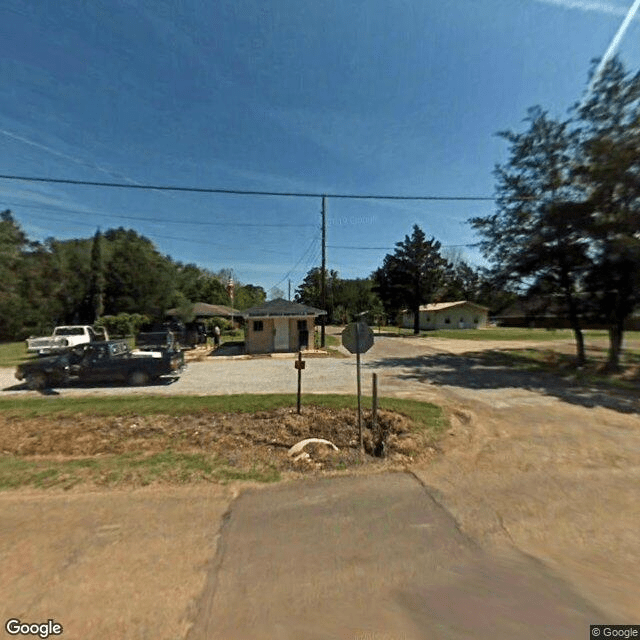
column 138, row 378
column 37, row 380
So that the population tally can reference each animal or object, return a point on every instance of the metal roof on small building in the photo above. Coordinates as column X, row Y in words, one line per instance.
column 281, row 307
column 439, row 306
column 202, row 309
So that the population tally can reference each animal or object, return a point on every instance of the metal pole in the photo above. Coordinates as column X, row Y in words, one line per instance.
column 374, row 404
column 359, row 391
column 299, row 380
column 323, row 275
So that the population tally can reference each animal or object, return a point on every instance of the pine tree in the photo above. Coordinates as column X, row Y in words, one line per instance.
column 97, row 276
column 412, row 275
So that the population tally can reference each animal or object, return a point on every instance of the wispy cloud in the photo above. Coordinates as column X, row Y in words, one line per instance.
column 597, row 6
column 352, row 137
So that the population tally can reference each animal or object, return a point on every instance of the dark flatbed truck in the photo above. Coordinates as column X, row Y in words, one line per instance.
column 110, row 361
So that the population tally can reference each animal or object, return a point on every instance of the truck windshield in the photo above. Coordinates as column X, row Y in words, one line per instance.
column 69, row 331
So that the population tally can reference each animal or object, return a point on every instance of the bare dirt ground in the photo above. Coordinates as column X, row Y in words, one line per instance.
column 542, row 463
column 538, row 462
column 108, row 564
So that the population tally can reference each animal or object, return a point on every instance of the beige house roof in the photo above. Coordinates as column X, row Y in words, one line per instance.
column 439, row 306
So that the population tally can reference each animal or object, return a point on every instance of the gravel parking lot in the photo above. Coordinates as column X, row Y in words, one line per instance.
column 223, row 376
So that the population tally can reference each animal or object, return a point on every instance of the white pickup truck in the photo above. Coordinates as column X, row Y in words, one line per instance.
column 64, row 337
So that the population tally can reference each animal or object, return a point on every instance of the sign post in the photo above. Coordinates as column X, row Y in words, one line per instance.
column 357, row 338
column 374, row 403
column 359, row 389
column 299, row 365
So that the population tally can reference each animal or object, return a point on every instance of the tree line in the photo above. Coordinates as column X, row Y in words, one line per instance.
column 115, row 273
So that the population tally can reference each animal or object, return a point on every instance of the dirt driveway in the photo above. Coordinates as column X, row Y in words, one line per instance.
column 534, row 461
column 531, row 461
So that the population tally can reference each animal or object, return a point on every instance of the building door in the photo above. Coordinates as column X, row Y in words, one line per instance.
column 303, row 334
column 281, row 339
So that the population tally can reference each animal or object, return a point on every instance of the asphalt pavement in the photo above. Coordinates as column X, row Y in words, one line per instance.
column 374, row 558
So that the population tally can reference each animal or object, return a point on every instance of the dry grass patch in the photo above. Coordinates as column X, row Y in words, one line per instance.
column 138, row 449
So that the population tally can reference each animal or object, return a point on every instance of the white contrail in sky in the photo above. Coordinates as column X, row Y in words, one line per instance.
column 616, row 41
column 77, row 160
column 66, row 156
column 587, row 5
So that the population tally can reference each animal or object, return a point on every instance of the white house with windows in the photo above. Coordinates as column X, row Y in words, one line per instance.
column 448, row 315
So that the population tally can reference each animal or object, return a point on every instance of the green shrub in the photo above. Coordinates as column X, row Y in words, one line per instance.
column 124, row 324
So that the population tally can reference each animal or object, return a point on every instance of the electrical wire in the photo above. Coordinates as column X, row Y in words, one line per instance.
column 283, row 194
column 448, row 246
column 313, row 240
column 163, row 220
column 165, row 237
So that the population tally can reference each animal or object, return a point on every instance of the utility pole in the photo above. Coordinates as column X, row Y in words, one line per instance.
column 289, row 298
column 323, row 274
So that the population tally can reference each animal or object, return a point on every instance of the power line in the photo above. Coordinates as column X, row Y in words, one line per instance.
column 158, row 220
column 165, row 237
column 283, row 194
column 444, row 246
column 307, row 250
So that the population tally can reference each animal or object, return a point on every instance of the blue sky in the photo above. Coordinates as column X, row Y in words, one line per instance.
column 398, row 97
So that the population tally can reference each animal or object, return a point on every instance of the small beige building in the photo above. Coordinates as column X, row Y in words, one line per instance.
column 279, row 326
column 448, row 315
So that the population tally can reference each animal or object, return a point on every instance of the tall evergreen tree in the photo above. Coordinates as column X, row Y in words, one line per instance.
column 97, row 277
column 13, row 241
column 412, row 275
column 609, row 168
column 310, row 291
column 536, row 240
column 138, row 278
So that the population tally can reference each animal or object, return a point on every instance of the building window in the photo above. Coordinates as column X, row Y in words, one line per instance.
column 476, row 320
column 258, row 325
column 447, row 320
column 302, row 325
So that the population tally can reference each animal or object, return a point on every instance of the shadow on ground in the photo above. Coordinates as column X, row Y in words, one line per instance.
column 229, row 349
column 493, row 370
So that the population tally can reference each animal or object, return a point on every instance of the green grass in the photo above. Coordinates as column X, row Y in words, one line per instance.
column 237, row 335
column 331, row 345
column 13, row 353
column 332, row 341
column 139, row 469
column 500, row 333
column 132, row 469
column 421, row 412
column 509, row 333
column 563, row 364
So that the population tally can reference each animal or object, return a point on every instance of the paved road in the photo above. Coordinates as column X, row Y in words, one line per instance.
column 372, row 557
